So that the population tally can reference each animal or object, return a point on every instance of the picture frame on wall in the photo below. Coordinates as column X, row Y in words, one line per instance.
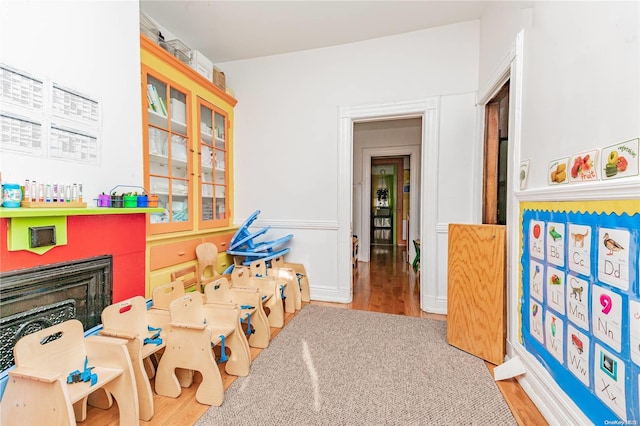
column 620, row 160
column 558, row 171
column 584, row 167
column 524, row 174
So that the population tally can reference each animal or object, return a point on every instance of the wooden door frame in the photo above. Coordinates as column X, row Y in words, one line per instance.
column 424, row 181
column 398, row 210
column 491, row 153
column 510, row 68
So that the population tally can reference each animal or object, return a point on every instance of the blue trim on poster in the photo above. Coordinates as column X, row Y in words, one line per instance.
column 605, row 344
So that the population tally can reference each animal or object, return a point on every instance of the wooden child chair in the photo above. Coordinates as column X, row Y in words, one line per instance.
column 56, row 370
column 207, row 254
column 301, row 273
column 188, row 276
column 249, row 300
column 223, row 319
column 286, row 277
column 131, row 321
column 161, row 298
column 189, row 347
column 271, row 297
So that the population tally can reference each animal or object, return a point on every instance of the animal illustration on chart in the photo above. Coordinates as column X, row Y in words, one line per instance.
column 576, row 292
column 611, row 244
column 537, row 270
column 578, row 239
column 554, row 234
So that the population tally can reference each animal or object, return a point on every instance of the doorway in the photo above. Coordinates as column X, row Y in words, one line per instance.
column 389, row 200
column 363, row 224
column 423, row 201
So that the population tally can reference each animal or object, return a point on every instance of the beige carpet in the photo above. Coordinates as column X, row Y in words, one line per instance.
column 332, row 366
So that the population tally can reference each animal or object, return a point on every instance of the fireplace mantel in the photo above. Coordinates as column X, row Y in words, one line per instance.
column 21, row 220
column 89, row 232
column 53, row 212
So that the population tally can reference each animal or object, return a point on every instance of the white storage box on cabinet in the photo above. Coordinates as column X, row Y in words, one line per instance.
column 202, row 65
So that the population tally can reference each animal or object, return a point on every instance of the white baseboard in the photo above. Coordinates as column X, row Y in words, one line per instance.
column 555, row 405
column 329, row 295
column 435, row 305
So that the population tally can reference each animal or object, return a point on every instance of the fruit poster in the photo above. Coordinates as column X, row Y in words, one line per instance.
column 580, row 301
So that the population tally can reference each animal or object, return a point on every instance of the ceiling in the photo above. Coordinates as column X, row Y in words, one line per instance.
column 232, row 30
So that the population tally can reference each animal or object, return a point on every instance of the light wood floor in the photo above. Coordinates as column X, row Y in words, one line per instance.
column 386, row 284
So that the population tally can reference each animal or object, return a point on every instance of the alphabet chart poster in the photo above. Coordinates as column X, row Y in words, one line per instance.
column 580, row 301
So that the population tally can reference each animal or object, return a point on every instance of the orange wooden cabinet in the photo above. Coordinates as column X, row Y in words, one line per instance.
column 167, row 257
column 188, row 154
column 187, row 144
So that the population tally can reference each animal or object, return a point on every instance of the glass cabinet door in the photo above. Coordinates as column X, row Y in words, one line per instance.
column 167, row 149
column 213, row 175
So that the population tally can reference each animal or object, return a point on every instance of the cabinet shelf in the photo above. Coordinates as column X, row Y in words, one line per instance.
column 159, row 120
column 163, row 160
column 211, row 169
column 206, row 138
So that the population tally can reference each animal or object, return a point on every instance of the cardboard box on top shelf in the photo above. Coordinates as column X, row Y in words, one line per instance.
column 218, row 78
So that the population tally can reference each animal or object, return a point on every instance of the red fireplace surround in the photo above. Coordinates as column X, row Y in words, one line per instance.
column 120, row 235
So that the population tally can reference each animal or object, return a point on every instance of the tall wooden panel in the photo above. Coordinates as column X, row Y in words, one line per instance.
column 476, row 310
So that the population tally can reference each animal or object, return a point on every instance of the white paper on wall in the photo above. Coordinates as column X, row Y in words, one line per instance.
column 579, row 251
column 606, row 309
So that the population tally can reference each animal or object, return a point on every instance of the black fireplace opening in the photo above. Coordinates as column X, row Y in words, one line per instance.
column 36, row 298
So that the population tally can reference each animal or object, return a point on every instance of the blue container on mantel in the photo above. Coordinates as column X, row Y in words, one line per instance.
column 11, row 195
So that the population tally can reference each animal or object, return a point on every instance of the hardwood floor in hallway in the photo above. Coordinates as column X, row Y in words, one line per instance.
column 386, row 284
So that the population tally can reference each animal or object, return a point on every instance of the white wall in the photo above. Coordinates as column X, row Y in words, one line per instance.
column 581, row 78
column 76, row 44
column 590, row 56
column 377, row 134
column 286, row 127
column 580, row 91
